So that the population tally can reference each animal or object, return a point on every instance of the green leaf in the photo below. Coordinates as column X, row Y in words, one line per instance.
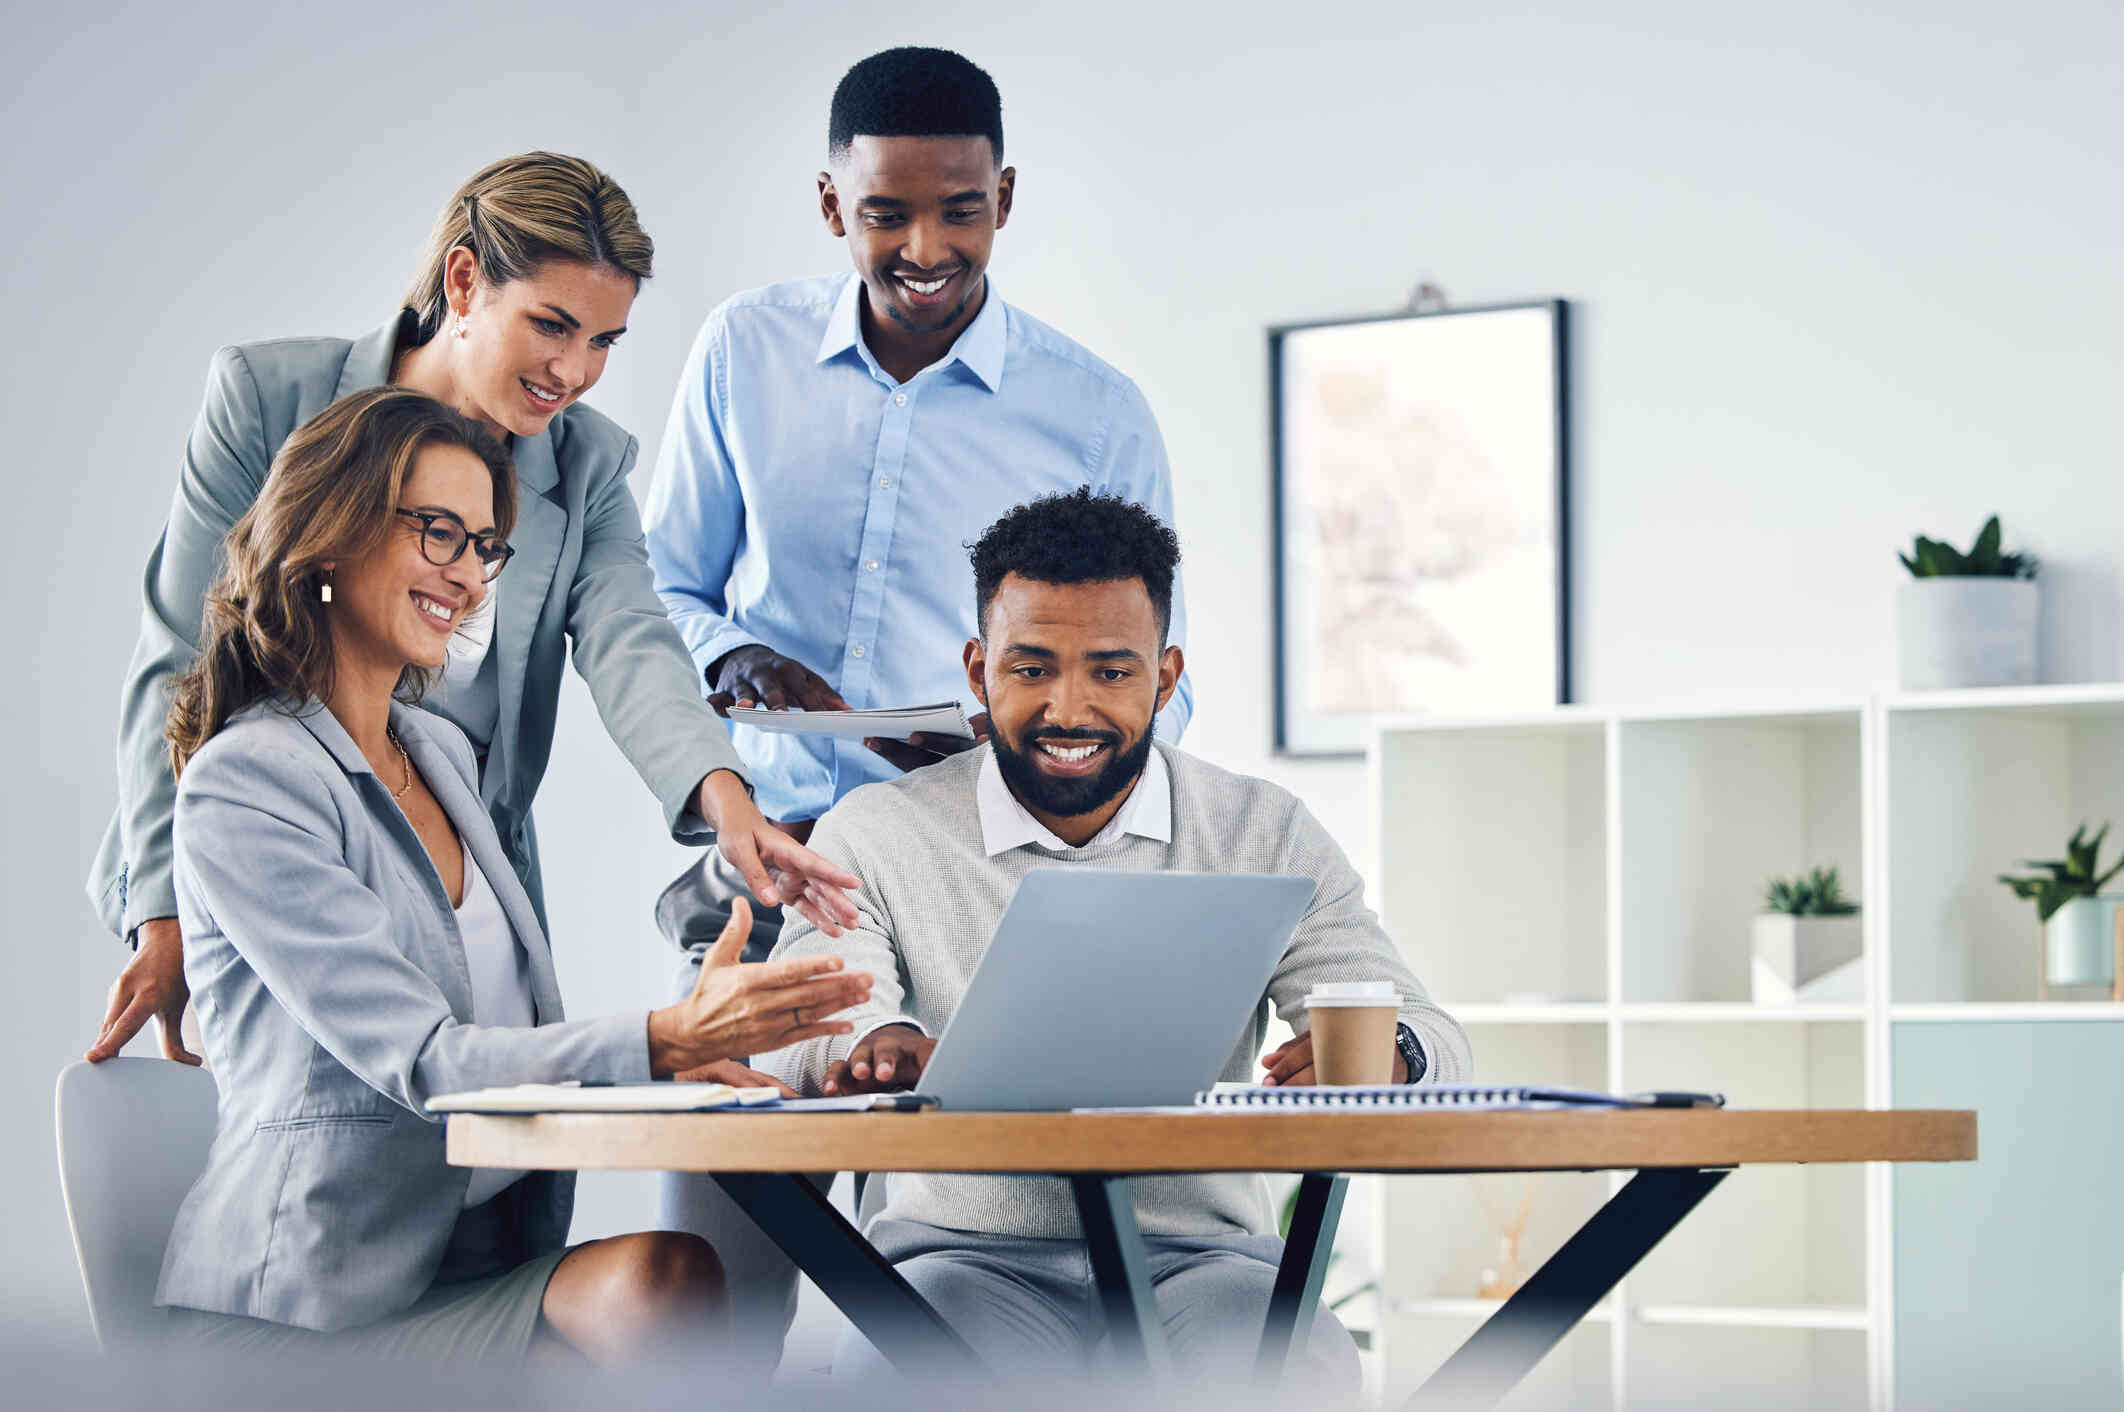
column 1987, row 541
column 1934, row 558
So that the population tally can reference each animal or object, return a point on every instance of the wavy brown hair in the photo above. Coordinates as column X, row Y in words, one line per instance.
column 518, row 213
column 331, row 496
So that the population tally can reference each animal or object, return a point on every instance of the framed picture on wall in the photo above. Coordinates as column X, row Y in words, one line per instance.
column 1420, row 468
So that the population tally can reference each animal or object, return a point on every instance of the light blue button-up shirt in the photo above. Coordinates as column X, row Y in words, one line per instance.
column 807, row 501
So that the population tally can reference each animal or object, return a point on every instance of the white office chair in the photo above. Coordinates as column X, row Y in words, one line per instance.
column 133, row 1137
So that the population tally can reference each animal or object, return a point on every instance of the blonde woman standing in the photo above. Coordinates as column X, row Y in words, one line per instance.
column 526, row 287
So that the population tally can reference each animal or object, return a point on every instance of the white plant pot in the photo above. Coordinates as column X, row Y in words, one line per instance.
column 1966, row 632
column 2080, row 942
column 1810, row 959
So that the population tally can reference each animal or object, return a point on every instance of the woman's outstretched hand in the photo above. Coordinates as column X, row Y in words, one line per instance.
column 737, row 1010
column 778, row 871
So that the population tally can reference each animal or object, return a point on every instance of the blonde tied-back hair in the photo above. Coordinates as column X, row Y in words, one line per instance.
column 331, row 497
column 521, row 212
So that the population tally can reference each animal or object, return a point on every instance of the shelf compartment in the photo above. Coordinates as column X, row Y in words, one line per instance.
column 1501, row 893
column 1770, row 1237
column 1974, row 790
column 1709, row 811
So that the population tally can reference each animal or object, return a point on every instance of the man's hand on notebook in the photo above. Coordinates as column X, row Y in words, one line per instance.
column 922, row 748
column 757, row 675
column 730, row 1071
column 1290, row 1064
column 888, row 1058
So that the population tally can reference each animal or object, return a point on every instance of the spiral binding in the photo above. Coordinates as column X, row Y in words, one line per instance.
column 1372, row 1096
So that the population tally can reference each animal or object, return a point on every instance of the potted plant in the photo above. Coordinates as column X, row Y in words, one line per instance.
column 2079, row 924
column 1966, row 619
column 1807, row 942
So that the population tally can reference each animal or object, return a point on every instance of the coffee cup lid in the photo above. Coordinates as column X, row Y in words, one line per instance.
column 1332, row 993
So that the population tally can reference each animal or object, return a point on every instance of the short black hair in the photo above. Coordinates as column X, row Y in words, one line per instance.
column 911, row 92
column 1078, row 537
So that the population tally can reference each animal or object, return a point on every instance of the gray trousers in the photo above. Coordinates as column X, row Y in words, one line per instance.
column 1030, row 1308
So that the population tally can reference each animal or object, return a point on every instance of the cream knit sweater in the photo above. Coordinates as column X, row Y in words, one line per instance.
column 930, row 902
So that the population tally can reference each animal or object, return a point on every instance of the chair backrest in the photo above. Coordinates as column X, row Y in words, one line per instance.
column 133, row 1137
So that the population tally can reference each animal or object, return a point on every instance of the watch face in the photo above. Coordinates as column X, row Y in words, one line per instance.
column 1411, row 1052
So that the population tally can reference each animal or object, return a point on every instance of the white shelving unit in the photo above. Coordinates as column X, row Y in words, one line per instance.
column 1577, row 887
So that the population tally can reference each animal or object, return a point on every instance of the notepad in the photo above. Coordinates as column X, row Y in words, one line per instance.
column 601, row 1098
column 1463, row 1097
column 891, row 723
column 657, row 1097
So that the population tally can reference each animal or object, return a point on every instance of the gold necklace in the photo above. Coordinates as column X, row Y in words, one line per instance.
column 404, row 760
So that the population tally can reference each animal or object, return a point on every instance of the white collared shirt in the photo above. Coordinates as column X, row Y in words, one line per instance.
column 1007, row 824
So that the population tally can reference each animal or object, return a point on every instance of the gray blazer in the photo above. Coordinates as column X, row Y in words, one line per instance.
column 580, row 572
column 333, row 996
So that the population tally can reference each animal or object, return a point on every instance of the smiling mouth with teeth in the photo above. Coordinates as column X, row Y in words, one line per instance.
column 539, row 392
column 1071, row 754
column 433, row 608
column 925, row 286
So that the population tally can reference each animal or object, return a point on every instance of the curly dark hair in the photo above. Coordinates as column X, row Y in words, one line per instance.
column 912, row 92
column 1081, row 536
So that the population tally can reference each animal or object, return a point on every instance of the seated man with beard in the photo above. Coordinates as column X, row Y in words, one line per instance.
column 1072, row 596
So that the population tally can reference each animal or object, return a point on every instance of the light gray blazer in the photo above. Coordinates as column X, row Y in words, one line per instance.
column 580, row 572
column 333, row 997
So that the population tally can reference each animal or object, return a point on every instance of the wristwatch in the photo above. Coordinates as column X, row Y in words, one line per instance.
column 1411, row 1053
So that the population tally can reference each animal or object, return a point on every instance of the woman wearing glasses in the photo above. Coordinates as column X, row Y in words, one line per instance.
column 527, row 284
column 358, row 941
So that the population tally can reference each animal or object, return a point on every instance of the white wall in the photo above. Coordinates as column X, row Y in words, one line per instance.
column 1839, row 279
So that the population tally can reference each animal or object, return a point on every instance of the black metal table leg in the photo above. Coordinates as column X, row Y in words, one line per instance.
column 800, row 1218
column 1296, row 1297
column 1107, row 1208
column 1559, row 1294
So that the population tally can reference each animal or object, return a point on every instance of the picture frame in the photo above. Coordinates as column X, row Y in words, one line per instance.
column 1420, row 513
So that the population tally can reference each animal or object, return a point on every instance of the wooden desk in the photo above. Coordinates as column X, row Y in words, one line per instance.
column 758, row 1158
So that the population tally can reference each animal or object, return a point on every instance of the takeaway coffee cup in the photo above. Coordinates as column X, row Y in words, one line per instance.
column 1353, row 1031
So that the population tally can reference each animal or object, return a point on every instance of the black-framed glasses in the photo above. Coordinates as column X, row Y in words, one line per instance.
column 443, row 538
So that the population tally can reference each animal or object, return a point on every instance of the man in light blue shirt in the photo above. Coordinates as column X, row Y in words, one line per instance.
column 834, row 445
column 824, row 466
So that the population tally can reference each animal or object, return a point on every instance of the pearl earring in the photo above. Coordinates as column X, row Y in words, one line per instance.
column 461, row 325
column 325, row 593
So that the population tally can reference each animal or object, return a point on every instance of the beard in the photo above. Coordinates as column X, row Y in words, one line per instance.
column 1068, row 798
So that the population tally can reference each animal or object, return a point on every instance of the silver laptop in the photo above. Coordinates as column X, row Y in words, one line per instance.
column 1113, row 990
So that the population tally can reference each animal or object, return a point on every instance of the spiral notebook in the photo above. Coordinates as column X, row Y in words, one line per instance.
column 1461, row 1097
